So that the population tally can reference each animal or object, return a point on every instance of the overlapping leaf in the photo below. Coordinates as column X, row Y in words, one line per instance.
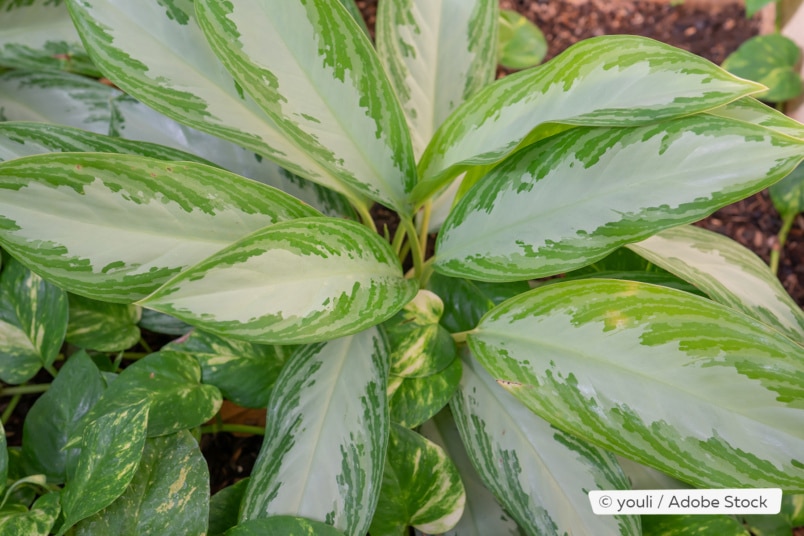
column 729, row 273
column 224, row 507
column 681, row 525
column 603, row 81
column 322, row 85
column 300, row 281
column 283, row 526
column 674, row 381
column 324, row 448
column 169, row 493
column 752, row 111
column 97, row 325
column 541, row 474
column 413, row 401
column 521, row 43
column 771, row 60
column 571, row 199
column 437, row 54
column 38, row 521
column 115, row 227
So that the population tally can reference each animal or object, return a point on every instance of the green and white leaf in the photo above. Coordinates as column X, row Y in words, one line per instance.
column 158, row 54
column 614, row 80
column 421, row 487
column 683, row 525
column 437, row 53
column 169, row 494
column 39, row 35
column 244, row 372
column 38, row 521
column 323, row 86
column 541, row 474
column 283, row 526
column 170, row 383
column 482, row 514
column 56, row 97
column 54, row 414
column 521, row 43
column 224, row 507
column 420, row 346
column 23, row 138
column 102, row 326
column 674, row 381
column 413, row 401
column 110, row 454
column 571, row 199
column 750, row 110
column 299, row 281
column 728, row 272
column 133, row 120
column 115, row 227
column 771, row 60
column 643, row 477
column 325, row 442
column 33, row 321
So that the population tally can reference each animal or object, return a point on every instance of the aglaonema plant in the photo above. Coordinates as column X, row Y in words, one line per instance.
column 467, row 395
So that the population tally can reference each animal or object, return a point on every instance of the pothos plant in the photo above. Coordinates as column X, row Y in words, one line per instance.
column 468, row 395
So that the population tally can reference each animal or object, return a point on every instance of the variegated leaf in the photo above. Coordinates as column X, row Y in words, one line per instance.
column 169, row 494
column 224, row 507
column 301, row 281
column 157, row 53
column 38, row 521
column 56, row 97
column 541, row 474
column 413, row 401
column 54, row 414
column 643, row 477
column 170, row 383
column 326, row 436
column 684, row 525
column 482, row 514
column 437, row 54
column 569, row 200
column 615, row 80
column 752, row 111
column 244, row 372
column 115, row 227
column 283, row 526
column 728, row 272
column 33, row 321
column 39, row 35
column 671, row 380
column 110, row 454
column 103, row 326
column 133, row 120
column 353, row 9
column 419, row 345
column 23, row 138
column 323, row 86
column 420, row 487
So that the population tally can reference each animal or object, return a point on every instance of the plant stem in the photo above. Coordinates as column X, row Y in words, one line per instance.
column 234, row 428
column 415, row 246
column 787, row 224
column 425, row 223
column 12, row 405
column 365, row 215
column 24, row 389
column 399, row 237
column 52, row 370
column 461, row 337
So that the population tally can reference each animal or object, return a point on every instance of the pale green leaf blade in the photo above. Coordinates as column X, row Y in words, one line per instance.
column 413, row 401
column 521, row 43
column 283, row 526
column 39, row 35
column 421, row 487
column 261, row 288
column 38, row 521
column 728, row 272
column 33, row 321
column 615, row 80
column 324, row 448
column 158, row 54
column 420, row 346
column 102, row 326
column 323, row 86
column 224, row 507
column 115, row 227
column 752, row 111
column 110, row 453
column 169, row 493
column 24, row 138
column 684, row 525
column 482, row 514
column 243, row 371
column 52, row 417
column 56, row 97
column 170, row 382
column 133, row 120
column 541, row 474
column 673, row 381
column 437, row 54
column 571, row 199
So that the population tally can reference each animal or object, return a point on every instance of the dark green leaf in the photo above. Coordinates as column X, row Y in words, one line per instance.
column 686, row 525
column 102, row 326
column 788, row 194
column 162, row 323
column 770, row 60
column 224, row 508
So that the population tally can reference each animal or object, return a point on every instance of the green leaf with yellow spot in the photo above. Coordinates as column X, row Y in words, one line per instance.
column 38, row 521
column 102, row 326
column 413, row 401
column 283, row 526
